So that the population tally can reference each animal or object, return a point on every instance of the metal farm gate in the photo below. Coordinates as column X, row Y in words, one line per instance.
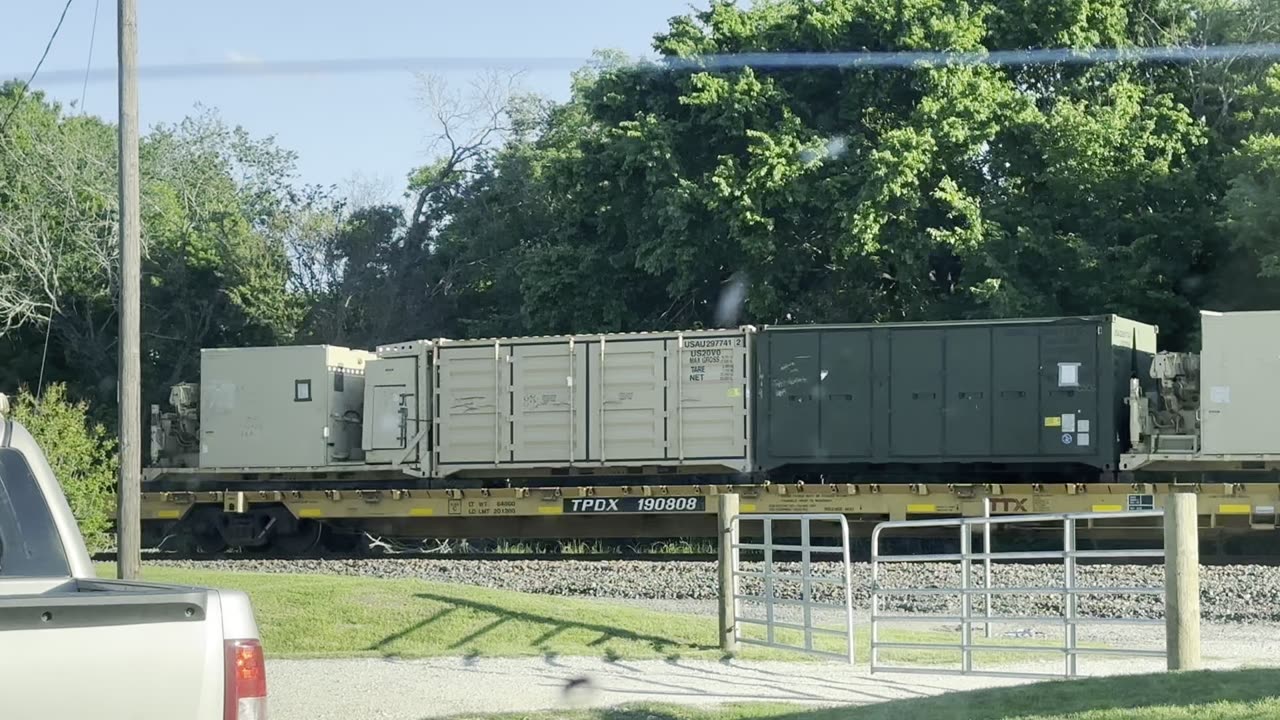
column 963, row 594
column 790, row 632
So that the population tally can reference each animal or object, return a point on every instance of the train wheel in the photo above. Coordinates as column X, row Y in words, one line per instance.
column 339, row 540
column 304, row 539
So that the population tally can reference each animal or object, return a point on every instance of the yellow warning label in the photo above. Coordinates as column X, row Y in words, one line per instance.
column 1107, row 508
column 748, row 507
column 550, row 510
column 735, row 392
column 421, row 511
column 1053, row 421
column 168, row 514
column 310, row 512
column 922, row 508
column 1234, row 509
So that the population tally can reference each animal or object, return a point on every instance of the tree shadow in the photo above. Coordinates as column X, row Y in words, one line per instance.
column 502, row 615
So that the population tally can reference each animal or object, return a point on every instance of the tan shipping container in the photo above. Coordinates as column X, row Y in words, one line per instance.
column 596, row 403
column 1239, row 394
column 296, row 406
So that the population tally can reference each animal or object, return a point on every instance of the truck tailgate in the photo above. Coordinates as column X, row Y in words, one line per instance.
column 108, row 649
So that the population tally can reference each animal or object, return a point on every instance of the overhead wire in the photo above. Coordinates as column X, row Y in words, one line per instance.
column 25, row 88
column 719, row 63
column 88, row 65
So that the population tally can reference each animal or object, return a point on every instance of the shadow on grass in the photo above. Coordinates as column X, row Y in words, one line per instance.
column 1111, row 697
column 502, row 615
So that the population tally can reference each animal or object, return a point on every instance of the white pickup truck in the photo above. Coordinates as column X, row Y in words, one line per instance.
column 74, row 647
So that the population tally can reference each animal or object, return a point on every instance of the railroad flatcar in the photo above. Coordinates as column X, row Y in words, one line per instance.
column 527, row 430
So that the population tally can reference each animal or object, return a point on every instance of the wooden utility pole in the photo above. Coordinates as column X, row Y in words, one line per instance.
column 728, row 538
column 129, row 391
column 1182, row 581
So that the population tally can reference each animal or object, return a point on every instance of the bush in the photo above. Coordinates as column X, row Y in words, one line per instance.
column 82, row 454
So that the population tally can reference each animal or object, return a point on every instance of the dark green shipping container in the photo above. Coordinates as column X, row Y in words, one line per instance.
column 1034, row 393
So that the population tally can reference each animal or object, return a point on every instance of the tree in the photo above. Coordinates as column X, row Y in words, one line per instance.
column 922, row 192
column 81, row 454
column 1253, row 213
column 218, row 207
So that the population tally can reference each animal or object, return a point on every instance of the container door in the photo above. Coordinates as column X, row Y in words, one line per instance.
column 916, row 393
column 845, row 393
column 792, row 394
column 627, row 397
column 390, row 420
column 1015, row 364
column 968, row 392
column 548, row 417
column 709, row 394
column 1069, row 389
column 472, row 388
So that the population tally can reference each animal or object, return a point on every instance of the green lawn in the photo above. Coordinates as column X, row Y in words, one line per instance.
column 1237, row 695
column 332, row 616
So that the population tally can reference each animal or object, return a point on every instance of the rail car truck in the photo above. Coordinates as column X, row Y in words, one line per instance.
column 597, row 435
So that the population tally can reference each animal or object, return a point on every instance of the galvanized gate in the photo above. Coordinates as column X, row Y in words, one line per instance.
column 778, row 631
column 967, row 590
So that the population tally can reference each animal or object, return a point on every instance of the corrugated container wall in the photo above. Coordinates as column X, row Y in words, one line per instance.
column 1239, row 393
column 293, row 406
column 1004, row 391
column 594, row 403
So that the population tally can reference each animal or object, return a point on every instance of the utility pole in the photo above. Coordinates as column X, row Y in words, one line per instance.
column 129, row 390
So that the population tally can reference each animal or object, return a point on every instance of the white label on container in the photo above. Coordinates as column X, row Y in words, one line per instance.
column 1082, row 426
column 1068, row 374
column 1220, row 394
column 1069, row 423
column 1082, row 439
column 1265, row 510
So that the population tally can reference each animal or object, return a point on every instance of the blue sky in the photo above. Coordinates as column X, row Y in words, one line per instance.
column 368, row 126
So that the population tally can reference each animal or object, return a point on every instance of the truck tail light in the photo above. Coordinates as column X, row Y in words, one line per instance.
column 245, row 682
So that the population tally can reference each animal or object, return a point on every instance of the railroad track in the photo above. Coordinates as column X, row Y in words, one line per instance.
column 250, row 556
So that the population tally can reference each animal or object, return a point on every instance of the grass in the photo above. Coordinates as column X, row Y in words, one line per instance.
column 309, row 616
column 1209, row 695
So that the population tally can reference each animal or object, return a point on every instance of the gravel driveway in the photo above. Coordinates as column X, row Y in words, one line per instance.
column 379, row 689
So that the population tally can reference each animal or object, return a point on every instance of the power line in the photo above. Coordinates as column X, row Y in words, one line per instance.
column 720, row 63
column 88, row 65
column 12, row 111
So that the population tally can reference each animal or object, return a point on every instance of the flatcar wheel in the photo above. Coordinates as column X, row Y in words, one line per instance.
column 207, row 541
column 339, row 540
column 304, row 539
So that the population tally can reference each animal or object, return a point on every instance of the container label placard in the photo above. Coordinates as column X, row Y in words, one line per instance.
column 694, row 503
column 711, row 359
column 1142, row 502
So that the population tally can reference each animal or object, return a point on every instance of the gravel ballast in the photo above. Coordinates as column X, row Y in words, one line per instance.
column 1228, row 593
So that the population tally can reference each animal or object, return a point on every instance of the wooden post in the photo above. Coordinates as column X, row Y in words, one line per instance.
column 129, row 390
column 728, row 538
column 1182, row 581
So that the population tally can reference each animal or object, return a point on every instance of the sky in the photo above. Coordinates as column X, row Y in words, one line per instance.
column 352, row 129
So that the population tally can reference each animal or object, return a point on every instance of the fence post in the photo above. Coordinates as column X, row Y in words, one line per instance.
column 1182, row 581
column 728, row 561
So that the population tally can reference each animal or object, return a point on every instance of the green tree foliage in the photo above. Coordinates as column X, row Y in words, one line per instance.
column 219, row 213
column 82, row 455
column 655, row 197
column 1253, row 200
column 866, row 194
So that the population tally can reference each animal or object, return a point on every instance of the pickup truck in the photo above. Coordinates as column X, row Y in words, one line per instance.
column 73, row 646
